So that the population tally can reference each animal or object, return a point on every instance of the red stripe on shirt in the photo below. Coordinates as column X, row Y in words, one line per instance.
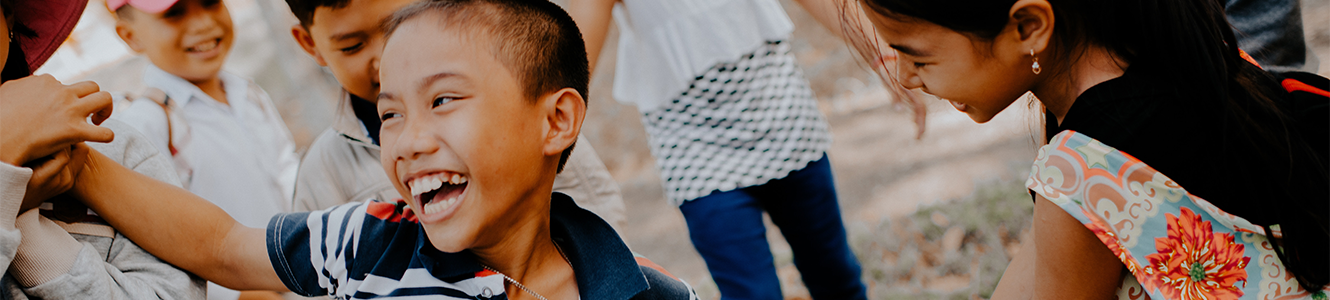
column 642, row 261
column 388, row 211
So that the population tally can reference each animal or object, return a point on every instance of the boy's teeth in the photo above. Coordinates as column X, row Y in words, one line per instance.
column 204, row 47
column 438, row 206
column 433, row 182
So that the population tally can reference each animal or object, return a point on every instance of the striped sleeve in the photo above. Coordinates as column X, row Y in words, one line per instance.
column 312, row 251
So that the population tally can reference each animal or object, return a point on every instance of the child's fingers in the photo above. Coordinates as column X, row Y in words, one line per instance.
column 78, row 156
column 93, row 133
column 94, row 103
column 49, row 178
column 83, row 88
column 103, row 114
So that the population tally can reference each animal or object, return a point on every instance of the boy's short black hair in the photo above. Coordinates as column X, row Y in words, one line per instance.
column 536, row 40
column 304, row 9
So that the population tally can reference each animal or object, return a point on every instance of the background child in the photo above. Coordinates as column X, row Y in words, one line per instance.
column 342, row 165
column 223, row 132
column 62, row 251
column 480, row 114
column 736, row 133
column 1232, row 153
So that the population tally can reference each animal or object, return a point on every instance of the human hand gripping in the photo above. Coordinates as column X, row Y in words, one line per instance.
column 53, row 175
column 40, row 117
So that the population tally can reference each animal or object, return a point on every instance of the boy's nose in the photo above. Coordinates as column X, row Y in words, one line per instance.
column 415, row 141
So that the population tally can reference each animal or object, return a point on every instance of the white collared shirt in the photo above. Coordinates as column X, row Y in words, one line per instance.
column 665, row 44
column 239, row 155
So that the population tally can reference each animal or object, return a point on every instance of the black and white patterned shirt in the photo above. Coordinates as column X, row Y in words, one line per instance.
column 742, row 123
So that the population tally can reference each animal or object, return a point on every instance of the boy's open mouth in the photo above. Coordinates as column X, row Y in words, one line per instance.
column 437, row 192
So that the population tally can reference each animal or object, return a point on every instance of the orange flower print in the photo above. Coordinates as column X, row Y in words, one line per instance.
column 1193, row 262
column 1107, row 236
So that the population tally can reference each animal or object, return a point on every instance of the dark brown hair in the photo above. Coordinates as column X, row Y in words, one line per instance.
column 536, row 40
column 304, row 9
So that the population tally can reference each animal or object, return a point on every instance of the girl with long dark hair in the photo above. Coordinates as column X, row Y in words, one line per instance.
column 1174, row 168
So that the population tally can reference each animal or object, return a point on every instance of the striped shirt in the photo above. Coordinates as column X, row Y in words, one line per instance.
column 373, row 249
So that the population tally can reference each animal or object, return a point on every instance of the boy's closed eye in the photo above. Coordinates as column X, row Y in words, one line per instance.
column 352, row 49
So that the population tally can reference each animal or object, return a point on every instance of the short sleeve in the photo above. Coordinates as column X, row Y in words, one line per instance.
column 307, row 247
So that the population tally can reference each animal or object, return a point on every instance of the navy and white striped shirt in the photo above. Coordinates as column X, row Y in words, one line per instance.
column 373, row 249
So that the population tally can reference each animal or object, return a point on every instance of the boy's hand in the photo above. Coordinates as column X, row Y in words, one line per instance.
column 39, row 116
column 53, row 175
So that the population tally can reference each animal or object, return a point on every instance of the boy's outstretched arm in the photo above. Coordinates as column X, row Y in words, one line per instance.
column 177, row 226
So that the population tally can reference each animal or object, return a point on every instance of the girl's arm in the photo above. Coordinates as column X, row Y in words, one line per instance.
column 177, row 226
column 1068, row 262
column 593, row 19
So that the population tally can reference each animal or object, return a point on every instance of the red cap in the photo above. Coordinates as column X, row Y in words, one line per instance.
column 52, row 20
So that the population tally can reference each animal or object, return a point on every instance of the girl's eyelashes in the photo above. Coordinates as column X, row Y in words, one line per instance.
column 388, row 115
column 919, row 65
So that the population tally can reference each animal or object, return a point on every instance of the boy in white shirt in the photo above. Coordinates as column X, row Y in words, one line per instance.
column 222, row 131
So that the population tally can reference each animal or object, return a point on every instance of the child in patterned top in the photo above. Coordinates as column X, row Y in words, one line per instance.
column 479, row 114
column 1233, row 202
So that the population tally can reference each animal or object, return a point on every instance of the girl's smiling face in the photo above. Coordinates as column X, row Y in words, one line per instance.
column 979, row 77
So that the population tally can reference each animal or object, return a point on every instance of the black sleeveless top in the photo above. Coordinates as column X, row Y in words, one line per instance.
column 1183, row 137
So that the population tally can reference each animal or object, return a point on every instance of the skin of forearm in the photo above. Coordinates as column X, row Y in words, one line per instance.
column 1017, row 280
column 593, row 19
column 175, row 225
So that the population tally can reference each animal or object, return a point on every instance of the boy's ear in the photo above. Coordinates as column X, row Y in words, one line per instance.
column 306, row 42
column 564, row 111
column 126, row 34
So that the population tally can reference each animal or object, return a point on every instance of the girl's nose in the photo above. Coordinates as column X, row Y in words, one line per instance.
column 906, row 75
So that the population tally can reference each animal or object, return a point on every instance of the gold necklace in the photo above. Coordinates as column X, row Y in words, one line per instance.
column 519, row 284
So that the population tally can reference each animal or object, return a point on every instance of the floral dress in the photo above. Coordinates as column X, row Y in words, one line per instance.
column 1175, row 245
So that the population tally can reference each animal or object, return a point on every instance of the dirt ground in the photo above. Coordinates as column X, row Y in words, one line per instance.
column 898, row 195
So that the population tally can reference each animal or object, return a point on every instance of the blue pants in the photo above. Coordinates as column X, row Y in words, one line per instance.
column 727, row 230
column 1271, row 32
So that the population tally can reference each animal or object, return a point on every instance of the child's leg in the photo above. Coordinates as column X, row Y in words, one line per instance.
column 727, row 230
column 804, row 206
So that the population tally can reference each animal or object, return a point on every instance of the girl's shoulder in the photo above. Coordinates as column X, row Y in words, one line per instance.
column 1170, row 240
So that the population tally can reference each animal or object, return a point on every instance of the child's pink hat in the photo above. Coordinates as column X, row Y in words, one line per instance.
column 149, row 6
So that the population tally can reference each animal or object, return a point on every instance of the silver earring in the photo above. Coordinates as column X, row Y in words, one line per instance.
column 1035, row 67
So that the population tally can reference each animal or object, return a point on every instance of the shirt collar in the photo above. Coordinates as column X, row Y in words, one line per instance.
column 182, row 91
column 348, row 125
column 603, row 264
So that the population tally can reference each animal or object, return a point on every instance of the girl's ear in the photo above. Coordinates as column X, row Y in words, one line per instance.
column 1033, row 20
